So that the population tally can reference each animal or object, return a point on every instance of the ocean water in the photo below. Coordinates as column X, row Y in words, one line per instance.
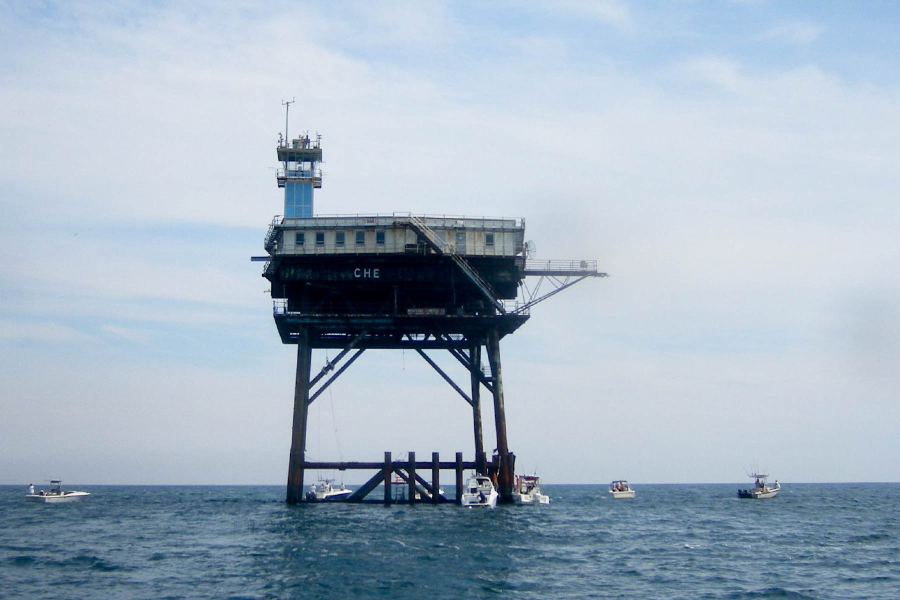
column 836, row 541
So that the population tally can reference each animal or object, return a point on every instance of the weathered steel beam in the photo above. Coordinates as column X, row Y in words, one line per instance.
column 378, row 466
column 298, row 430
column 459, row 476
column 386, row 474
column 435, row 478
column 411, row 469
column 330, row 364
column 468, row 364
column 445, row 376
column 366, row 488
column 475, row 371
column 336, row 375
column 504, row 477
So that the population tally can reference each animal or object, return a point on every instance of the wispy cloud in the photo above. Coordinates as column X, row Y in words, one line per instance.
column 137, row 336
column 793, row 32
column 611, row 12
column 45, row 331
column 719, row 72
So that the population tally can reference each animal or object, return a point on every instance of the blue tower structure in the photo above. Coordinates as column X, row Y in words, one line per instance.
column 300, row 174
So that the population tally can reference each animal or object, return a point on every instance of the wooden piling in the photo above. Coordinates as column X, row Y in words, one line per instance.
column 459, row 476
column 388, row 474
column 412, row 477
column 435, row 478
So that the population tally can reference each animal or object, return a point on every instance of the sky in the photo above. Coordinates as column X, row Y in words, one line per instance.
column 731, row 165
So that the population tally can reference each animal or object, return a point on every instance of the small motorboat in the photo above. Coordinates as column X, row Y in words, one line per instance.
column 479, row 492
column 528, row 490
column 327, row 492
column 54, row 494
column 621, row 489
column 761, row 488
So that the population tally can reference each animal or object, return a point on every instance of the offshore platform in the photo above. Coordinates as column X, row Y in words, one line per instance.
column 400, row 281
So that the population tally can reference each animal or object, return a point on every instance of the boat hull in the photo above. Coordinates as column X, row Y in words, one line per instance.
column 756, row 494
column 532, row 498
column 57, row 498
column 480, row 493
column 479, row 502
column 622, row 495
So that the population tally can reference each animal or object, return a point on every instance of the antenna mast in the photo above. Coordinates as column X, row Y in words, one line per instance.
column 287, row 110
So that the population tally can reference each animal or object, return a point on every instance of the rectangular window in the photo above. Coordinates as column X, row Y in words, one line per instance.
column 379, row 238
column 489, row 240
column 299, row 238
column 338, row 238
column 360, row 238
column 320, row 238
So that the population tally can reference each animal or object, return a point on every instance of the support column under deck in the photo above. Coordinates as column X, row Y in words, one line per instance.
column 507, row 461
column 301, row 410
column 475, row 369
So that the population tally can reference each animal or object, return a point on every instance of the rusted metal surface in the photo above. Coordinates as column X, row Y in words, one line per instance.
column 298, row 430
column 417, row 488
column 504, row 476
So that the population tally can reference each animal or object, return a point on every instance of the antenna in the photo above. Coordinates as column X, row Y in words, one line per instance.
column 287, row 109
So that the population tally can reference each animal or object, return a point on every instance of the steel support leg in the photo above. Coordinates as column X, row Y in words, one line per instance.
column 507, row 461
column 475, row 369
column 301, row 410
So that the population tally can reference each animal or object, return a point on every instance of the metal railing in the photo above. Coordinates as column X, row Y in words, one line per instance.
column 561, row 266
column 280, row 309
column 386, row 219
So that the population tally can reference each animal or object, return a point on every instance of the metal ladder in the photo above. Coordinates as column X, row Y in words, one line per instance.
column 443, row 248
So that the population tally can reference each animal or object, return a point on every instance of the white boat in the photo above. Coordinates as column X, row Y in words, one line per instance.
column 761, row 488
column 528, row 490
column 479, row 492
column 620, row 489
column 54, row 494
column 326, row 491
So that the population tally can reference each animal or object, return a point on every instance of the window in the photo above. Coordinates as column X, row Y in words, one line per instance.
column 360, row 238
column 320, row 238
column 379, row 238
column 460, row 240
column 489, row 240
column 338, row 238
column 299, row 238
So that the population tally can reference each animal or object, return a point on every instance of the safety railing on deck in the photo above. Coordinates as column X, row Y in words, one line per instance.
column 561, row 266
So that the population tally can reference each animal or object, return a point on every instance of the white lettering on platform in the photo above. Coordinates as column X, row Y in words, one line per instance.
column 361, row 273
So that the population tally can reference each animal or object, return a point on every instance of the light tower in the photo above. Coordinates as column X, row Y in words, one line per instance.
column 398, row 281
column 300, row 174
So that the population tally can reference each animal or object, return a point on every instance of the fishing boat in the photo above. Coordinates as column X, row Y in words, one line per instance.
column 326, row 491
column 528, row 490
column 479, row 492
column 761, row 488
column 620, row 489
column 55, row 494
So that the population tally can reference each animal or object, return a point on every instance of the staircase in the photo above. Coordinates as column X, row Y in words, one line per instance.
column 443, row 248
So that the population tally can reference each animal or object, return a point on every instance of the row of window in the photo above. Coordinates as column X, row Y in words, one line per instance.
column 340, row 238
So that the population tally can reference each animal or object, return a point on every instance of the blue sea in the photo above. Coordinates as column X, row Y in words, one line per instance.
column 836, row 541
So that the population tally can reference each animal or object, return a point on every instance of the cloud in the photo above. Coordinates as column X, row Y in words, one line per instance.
column 20, row 330
column 610, row 12
column 796, row 32
column 716, row 71
column 136, row 336
column 745, row 208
